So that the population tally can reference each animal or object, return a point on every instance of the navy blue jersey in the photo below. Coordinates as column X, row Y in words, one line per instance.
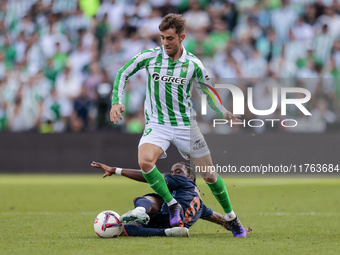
column 185, row 191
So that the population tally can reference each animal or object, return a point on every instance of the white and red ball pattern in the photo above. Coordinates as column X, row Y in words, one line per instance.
column 107, row 224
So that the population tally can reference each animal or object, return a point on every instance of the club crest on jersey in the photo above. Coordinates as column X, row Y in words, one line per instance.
column 168, row 78
column 169, row 71
column 158, row 64
column 184, row 68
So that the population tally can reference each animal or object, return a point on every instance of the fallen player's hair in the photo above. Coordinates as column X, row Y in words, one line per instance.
column 191, row 170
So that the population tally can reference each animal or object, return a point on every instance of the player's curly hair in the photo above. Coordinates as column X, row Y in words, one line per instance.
column 175, row 21
column 191, row 170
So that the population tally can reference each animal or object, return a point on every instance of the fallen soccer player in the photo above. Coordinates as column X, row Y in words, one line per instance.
column 151, row 215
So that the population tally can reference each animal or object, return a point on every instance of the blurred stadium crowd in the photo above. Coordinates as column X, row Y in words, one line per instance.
column 59, row 58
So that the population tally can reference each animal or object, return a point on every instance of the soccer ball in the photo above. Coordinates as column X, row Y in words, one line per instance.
column 107, row 224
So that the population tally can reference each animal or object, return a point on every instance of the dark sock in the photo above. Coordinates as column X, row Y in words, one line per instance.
column 133, row 230
column 143, row 202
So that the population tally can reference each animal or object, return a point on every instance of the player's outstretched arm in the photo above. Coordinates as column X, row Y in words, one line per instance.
column 204, row 86
column 133, row 174
column 220, row 220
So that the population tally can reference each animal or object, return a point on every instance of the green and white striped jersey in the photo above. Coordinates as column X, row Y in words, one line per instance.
column 169, row 86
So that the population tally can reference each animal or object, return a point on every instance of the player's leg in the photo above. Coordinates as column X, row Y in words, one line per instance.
column 219, row 189
column 144, row 231
column 191, row 143
column 215, row 183
column 159, row 224
column 145, row 207
column 147, row 156
column 152, row 203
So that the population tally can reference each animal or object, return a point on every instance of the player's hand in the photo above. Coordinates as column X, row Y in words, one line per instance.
column 108, row 170
column 231, row 117
column 116, row 111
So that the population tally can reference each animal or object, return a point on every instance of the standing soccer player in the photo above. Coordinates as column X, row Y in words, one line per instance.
column 172, row 72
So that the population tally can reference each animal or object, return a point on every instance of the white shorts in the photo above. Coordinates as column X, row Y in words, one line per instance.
column 189, row 141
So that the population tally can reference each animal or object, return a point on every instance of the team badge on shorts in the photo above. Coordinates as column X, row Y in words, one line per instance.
column 147, row 131
column 199, row 144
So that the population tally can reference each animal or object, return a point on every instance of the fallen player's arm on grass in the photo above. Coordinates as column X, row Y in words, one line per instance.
column 218, row 219
column 133, row 174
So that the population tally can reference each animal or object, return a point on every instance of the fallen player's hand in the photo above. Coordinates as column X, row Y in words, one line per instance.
column 231, row 117
column 116, row 111
column 108, row 170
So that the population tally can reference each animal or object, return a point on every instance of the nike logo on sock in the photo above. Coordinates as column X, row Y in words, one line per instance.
column 154, row 183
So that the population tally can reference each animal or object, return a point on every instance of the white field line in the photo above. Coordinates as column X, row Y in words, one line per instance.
column 260, row 213
column 48, row 213
column 299, row 214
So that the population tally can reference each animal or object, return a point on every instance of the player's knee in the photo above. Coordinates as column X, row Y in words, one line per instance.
column 210, row 179
column 145, row 164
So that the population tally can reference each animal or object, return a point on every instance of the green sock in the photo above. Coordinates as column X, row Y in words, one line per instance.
column 220, row 192
column 158, row 184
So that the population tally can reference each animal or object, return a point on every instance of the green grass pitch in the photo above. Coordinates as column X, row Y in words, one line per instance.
column 54, row 214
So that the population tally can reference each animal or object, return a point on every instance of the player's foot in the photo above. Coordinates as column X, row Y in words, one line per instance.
column 135, row 216
column 176, row 212
column 177, row 232
column 236, row 228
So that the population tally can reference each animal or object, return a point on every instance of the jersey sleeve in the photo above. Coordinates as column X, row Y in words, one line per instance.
column 206, row 212
column 136, row 63
column 171, row 182
column 203, row 84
